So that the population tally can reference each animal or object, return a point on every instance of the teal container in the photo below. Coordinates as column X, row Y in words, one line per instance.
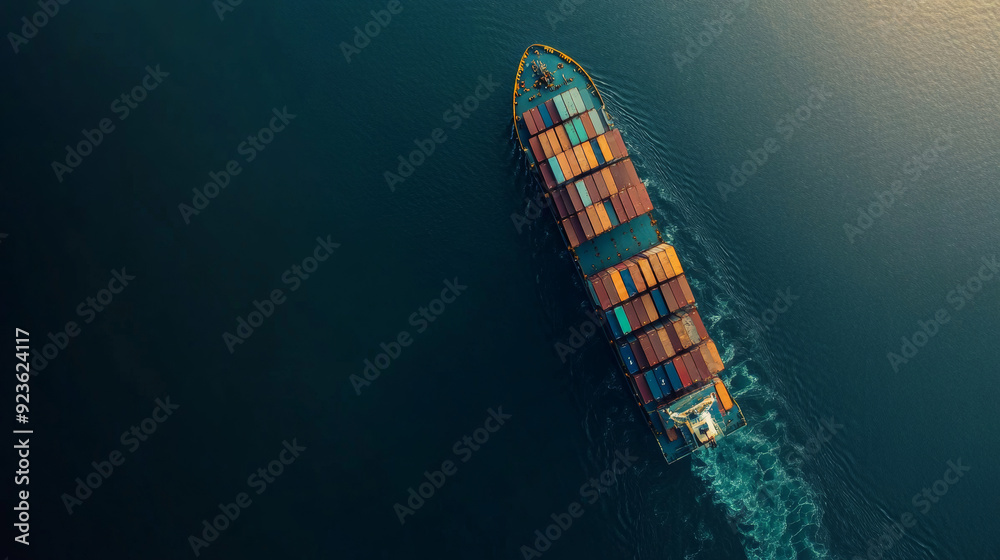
column 570, row 103
column 578, row 100
column 611, row 214
column 623, row 320
column 561, row 108
column 584, row 195
column 595, row 119
column 554, row 164
column 571, row 132
column 581, row 132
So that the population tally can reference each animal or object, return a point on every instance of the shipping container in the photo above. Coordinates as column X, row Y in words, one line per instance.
column 644, row 392
column 603, row 215
column 701, row 364
column 616, row 136
column 689, row 364
column 582, row 159
column 546, row 147
column 564, row 165
column 654, row 386
column 574, row 198
column 588, row 228
column 553, row 112
column 612, row 213
column 627, row 203
column 675, row 341
column 602, row 293
column 568, row 202
column 644, row 193
column 595, row 121
column 581, row 132
column 581, row 105
column 621, row 320
column 529, row 122
column 647, row 349
column 571, row 132
column 620, row 180
column 574, row 241
column 561, row 108
column 675, row 289
column 661, row 275
column 674, row 261
column 661, row 380
column 668, row 296
column 724, row 399
column 588, row 152
column 544, row 114
column 595, row 195
column 596, row 148
column 574, row 164
column 539, row 123
column 647, row 271
column 651, row 311
column 628, row 357
column 609, row 181
column 654, row 341
column 675, row 379
column 612, row 321
column 696, row 319
column 640, row 356
column 682, row 371
column 715, row 364
column 633, row 177
column 536, row 149
column 692, row 331
column 547, row 175
column 550, row 135
column 619, row 209
column 588, row 126
column 595, row 220
column 668, row 343
column 686, row 289
column 640, row 194
column 594, row 180
column 658, row 427
column 609, row 287
column 681, row 332
column 583, row 102
column 581, row 191
column 570, row 105
column 633, row 270
column 640, row 311
column 629, row 311
column 627, row 280
column 606, row 151
column 619, row 285
column 579, row 229
column 659, row 302
column 557, row 169
column 558, row 202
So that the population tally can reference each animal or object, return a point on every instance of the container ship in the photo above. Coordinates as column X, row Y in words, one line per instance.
column 635, row 281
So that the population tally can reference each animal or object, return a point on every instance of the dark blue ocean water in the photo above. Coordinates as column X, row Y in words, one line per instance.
column 873, row 214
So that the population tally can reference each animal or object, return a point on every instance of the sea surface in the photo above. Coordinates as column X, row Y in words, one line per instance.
column 828, row 172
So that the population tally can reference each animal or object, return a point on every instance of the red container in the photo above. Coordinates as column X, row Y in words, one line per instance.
column 627, row 203
column 633, row 269
column 685, row 288
column 547, row 176
column 640, row 312
column 602, row 187
column 647, row 349
column 633, row 319
column 536, row 149
column 602, row 294
column 668, row 296
column 633, row 177
column 529, row 122
column 602, row 190
column 633, row 194
column 675, row 341
column 675, row 289
column 698, row 325
column 682, row 371
column 588, row 228
column 567, row 225
column 609, row 287
column 620, row 177
column 619, row 208
column 644, row 392
column 617, row 136
column 661, row 352
column 574, row 197
column 689, row 364
column 644, row 193
column 538, row 119
column 595, row 195
column 560, row 206
column 701, row 364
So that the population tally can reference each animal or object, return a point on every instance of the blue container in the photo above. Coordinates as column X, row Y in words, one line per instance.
column 581, row 189
column 571, row 132
column 545, row 116
column 613, row 323
column 675, row 380
column 580, row 130
column 654, row 386
column 660, row 303
column 611, row 212
column 628, row 358
column 597, row 152
column 561, row 107
column 629, row 285
column 554, row 164
column 570, row 103
column 661, row 379
column 657, row 423
column 623, row 320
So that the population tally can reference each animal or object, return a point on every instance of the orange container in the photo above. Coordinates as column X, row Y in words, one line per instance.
column 720, row 388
